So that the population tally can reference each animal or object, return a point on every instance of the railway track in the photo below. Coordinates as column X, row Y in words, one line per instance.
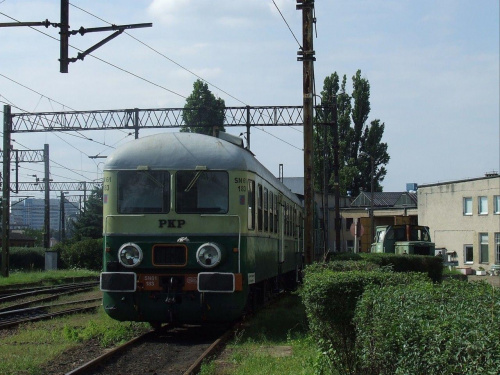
column 30, row 303
column 8, row 295
column 171, row 349
column 18, row 316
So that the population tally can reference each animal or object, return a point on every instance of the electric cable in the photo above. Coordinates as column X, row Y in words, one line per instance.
column 289, row 28
column 161, row 54
column 102, row 60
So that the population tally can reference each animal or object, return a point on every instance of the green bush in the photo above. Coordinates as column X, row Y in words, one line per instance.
column 345, row 256
column 26, row 258
column 85, row 254
column 421, row 328
column 431, row 265
column 344, row 265
column 330, row 300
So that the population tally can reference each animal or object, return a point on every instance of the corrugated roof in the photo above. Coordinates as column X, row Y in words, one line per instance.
column 295, row 184
column 385, row 199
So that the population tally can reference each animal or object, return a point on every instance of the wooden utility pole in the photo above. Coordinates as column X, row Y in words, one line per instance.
column 6, row 190
column 306, row 55
column 46, row 221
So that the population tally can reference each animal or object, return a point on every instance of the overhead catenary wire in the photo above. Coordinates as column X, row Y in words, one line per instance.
column 146, row 80
column 278, row 138
column 286, row 22
column 50, row 101
column 163, row 55
column 102, row 60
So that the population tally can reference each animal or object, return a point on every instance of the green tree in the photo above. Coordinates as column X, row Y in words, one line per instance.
column 203, row 112
column 37, row 234
column 89, row 223
column 357, row 139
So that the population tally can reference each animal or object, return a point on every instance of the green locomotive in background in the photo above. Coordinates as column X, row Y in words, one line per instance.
column 195, row 230
column 403, row 239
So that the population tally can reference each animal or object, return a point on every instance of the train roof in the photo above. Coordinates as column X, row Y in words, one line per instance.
column 185, row 151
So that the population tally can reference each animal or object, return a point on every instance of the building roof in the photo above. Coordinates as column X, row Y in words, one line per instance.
column 485, row 177
column 295, row 184
column 386, row 199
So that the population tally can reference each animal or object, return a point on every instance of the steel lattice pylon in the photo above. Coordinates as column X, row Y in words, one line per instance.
column 150, row 118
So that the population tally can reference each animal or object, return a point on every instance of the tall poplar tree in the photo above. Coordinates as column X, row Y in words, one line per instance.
column 203, row 113
column 357, row 138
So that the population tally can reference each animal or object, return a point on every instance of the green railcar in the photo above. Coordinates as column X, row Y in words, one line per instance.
column 195, row 230
column 403, row 239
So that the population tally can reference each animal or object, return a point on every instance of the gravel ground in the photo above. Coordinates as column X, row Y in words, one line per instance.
column 73, row 358
column 171, row 352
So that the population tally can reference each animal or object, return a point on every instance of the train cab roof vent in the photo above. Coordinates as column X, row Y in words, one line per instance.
column 231, row 138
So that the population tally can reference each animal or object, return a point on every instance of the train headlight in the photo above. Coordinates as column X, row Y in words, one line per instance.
column 130, row 255
column 208, row 255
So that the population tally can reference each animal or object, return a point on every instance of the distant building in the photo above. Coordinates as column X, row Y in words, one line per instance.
column 18, row 239
column 464, row 219
column 389, row 208
column 30, row 213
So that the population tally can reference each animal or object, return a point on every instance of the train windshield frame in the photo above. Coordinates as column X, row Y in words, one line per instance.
column 201, row 192
column 144, row 192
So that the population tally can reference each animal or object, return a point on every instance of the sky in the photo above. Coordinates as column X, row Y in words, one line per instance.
column 433, row 68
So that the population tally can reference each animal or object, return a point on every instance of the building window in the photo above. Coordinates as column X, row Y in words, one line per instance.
column 467, row 206
column 496, row 204
column 497, row 248
column 468, row 254
column 483, row 243
column 483, row 205
column 350, row 245
column 348, row 222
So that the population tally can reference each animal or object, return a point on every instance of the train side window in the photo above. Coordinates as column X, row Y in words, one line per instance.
column 266, row 209
column 251, row 204
column 287, row 219
column 143, row 192
column 294, row 221
column 259, row 206
column 276, row 214
column 271, row 211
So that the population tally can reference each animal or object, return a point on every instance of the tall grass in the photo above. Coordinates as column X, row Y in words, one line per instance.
column 47, row 340
column 45, row 277
column 275, row 341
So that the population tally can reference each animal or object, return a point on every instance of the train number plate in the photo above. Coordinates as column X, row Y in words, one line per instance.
column 151, row 282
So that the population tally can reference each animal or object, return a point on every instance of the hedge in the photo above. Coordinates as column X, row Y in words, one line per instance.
column 448, row 328
column 84, row 254
column 330, row 300
column 432, row 265
column 26, row 258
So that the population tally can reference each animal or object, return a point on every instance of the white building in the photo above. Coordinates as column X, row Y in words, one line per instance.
column 464, row 218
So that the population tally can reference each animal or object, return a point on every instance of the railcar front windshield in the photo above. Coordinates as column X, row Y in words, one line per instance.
column 143, row 192
column 198, row 192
